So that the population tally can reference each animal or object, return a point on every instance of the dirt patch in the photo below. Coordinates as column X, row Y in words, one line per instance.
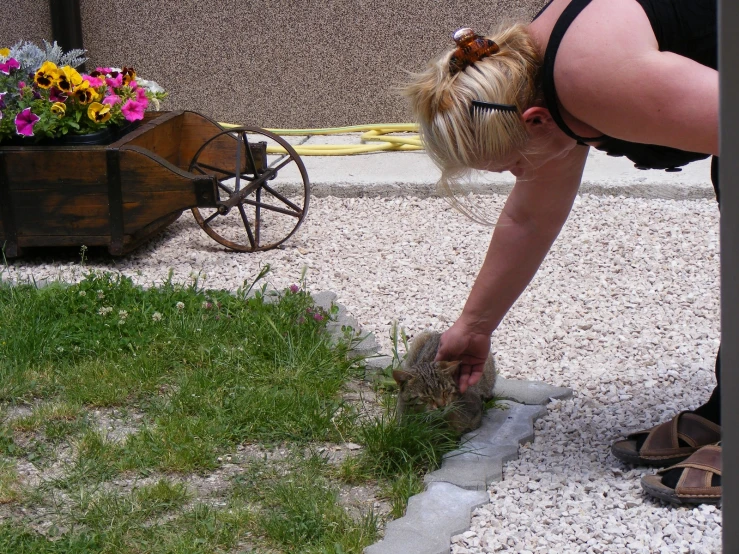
column 45, row 507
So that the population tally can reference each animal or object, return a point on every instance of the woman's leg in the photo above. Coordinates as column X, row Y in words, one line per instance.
column 711, row 410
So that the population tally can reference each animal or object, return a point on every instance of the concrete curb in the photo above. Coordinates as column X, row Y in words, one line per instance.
column 412, row 174
column 459, row 486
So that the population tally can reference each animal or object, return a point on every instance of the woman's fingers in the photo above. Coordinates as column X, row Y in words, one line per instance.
column 469, row 375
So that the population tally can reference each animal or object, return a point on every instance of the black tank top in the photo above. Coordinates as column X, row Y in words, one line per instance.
column 685, row 27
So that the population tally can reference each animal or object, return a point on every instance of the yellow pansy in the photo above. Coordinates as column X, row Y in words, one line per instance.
column 84, row 93
column 68, row 79
column 47, row 75
column 4, row 52
column 59, row 108
column 98, row 113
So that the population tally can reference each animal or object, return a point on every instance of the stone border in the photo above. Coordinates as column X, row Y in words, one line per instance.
column 460, row 485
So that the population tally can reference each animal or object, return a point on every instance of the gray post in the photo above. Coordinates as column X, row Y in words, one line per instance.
column 729, row 179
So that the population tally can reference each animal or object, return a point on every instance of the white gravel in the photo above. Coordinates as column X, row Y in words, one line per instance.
column 625, row 310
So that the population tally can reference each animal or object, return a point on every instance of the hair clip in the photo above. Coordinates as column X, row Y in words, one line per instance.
column 492, row 107
column 471, row 48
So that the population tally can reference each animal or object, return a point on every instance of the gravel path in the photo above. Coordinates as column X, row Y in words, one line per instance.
column 625, row 310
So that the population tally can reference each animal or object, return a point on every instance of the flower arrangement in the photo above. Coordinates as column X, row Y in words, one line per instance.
column 43, row 95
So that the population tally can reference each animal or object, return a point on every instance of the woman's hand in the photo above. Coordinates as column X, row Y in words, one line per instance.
column 468, row 346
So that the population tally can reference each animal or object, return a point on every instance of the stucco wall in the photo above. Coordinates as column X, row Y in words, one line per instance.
column 286, row 63
column 24, row 20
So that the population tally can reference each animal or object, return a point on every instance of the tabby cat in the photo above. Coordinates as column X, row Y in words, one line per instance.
column 427, row 385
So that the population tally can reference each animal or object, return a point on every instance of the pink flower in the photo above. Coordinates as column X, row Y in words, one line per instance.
column 94, row 81
column 21, row 85
column 103, row 70
column 134, row 85
column 12, row 63
column 24, row 122
column 133, row 111
column 141, row 97
column 318, row 317
column 294, row 288
column 115, row 82
column 112, row 99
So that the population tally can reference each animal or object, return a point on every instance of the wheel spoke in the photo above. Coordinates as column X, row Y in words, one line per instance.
column 245, row 219
column 200, row 165
column 272, row 208
column 211, row 217
column 283, row 164
column 282, row 198
column 225, row 187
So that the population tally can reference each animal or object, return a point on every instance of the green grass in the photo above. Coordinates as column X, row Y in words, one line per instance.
column 192, row 374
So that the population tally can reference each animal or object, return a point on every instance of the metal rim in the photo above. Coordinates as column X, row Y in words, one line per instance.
column 256, row 192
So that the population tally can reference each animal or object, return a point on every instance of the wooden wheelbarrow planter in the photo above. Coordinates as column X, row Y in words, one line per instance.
column 123, row 193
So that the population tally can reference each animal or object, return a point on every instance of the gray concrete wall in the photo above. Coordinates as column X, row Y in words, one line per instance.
column 273, row 63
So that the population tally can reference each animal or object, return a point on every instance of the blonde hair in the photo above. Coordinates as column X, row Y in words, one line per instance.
column 456, row 140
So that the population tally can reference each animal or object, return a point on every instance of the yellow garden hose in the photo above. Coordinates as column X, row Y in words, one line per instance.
column 372, row 133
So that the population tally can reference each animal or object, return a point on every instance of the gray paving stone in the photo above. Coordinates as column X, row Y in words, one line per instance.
column 376, row 364
column 479, row 460
column 366, row 347
column 528, row 392
column 324, row 299
column 432, row 518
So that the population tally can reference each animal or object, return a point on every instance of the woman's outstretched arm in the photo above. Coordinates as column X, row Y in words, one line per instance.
column 529, row 223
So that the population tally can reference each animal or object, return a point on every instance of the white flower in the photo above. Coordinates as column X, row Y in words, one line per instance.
column 151, row 86
column 83, row 293
column 180, row 306
column 101, row 294
column 105, row 310
column 123, row 314
column 156, row 316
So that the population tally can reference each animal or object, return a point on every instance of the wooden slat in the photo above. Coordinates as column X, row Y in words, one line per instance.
column 63, row 240
column 152, row 188
column 53, row 167
column 60, row 213
column 162, row 139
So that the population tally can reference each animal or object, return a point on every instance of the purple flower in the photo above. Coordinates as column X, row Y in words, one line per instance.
column 133, row 111
column 12, row 63
column 317, row 317
column 56, row 95
column 21, row 85
column 36, row 94
column 294, row 288
column 24, row 122
column 2, row 100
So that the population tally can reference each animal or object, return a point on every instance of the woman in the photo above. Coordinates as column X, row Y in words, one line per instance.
column 629, row 77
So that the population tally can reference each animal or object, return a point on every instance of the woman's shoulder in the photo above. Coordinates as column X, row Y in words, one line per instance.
column 611, row 75
column 605, row 37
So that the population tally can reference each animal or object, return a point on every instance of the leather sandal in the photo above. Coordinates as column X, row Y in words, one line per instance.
column 668, row 443
column 699, row 479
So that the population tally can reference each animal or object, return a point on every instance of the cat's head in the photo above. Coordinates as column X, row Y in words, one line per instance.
column 428, row 386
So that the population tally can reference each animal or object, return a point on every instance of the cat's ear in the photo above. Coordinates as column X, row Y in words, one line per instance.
column 401, row 376
column 450, row 368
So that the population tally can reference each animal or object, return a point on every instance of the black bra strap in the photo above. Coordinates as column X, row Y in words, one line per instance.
column 550, row 94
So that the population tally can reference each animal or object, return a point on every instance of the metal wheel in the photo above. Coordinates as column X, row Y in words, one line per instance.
column 262, row 198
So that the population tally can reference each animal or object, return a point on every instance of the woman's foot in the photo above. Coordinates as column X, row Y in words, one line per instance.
column 668, row 443
column 697, row 480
